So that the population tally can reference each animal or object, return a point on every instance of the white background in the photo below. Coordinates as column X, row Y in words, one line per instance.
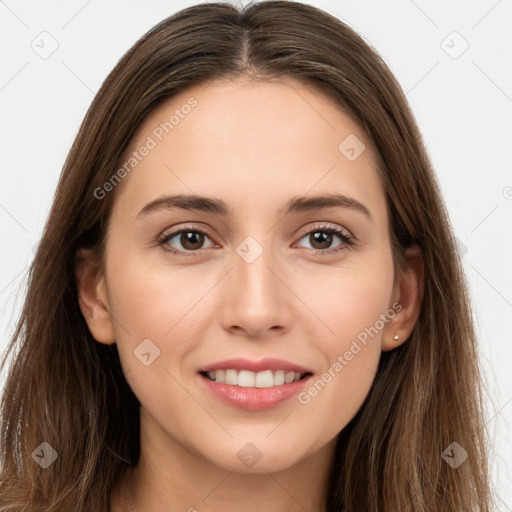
column 463, row 106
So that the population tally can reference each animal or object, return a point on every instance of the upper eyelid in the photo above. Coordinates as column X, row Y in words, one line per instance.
column 324, row 225
column 191, row 227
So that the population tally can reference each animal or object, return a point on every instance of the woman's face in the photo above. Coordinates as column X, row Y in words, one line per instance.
column 266, row 280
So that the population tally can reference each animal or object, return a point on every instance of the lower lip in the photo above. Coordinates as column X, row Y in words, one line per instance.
column 254, row 399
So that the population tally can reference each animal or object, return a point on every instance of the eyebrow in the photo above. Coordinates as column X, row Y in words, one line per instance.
column 218, row 206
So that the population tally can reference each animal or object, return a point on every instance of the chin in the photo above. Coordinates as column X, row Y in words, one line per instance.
column 257, row 457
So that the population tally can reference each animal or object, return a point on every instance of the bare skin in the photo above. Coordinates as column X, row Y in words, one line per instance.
column 255, row 146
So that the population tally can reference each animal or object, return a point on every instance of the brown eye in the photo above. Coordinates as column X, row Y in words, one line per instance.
column 321, row 239
column 191, row 240
column 188, row 240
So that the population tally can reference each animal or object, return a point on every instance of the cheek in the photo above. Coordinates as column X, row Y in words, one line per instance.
column 153, row 314
column 156, row 327
column 335, row 396
column 153, row 301
column 352, row 307
column 350, row 299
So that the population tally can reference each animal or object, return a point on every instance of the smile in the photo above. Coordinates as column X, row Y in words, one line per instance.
column 249, row 379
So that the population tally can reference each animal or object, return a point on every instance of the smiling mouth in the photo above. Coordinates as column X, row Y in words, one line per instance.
column 248, row 379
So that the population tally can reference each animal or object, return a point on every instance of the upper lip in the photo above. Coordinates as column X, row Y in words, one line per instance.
column 268, row 363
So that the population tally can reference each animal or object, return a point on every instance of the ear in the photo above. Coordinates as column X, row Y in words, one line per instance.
column 407, row 297
column 92, row 297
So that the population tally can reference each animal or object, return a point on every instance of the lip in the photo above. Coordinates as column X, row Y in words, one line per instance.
column 254, row 399
column 268, row 363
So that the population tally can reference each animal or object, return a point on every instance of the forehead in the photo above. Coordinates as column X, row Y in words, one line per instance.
column 246, row 141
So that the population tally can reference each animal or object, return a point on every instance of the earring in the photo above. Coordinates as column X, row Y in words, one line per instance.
column 396, row 337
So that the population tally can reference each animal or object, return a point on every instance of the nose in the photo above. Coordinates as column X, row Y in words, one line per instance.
column 256, row 300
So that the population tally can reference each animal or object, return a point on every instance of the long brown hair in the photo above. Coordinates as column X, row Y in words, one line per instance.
column 65, row 389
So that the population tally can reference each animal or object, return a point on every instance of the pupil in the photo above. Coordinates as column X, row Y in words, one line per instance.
column 325, row 239
column 187, row 239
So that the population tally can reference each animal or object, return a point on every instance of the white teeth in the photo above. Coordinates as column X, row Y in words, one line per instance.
column 264, row 379
column 247, row 379
column 289, row 377
column 279, row 378
column 231, row 377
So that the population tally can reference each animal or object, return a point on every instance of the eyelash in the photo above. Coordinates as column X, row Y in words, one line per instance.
column 346, row 239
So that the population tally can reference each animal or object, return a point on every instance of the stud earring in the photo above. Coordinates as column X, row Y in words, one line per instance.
column 396, row 337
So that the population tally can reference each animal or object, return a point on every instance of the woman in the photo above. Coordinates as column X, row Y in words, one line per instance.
column 180, row 348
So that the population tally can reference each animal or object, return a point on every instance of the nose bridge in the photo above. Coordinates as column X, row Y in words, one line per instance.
column 255, row 300
column 252, row 277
